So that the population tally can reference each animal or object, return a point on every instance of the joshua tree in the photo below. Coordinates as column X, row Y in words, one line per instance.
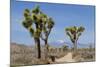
column 74, row 33
column 65, row 47
column 33, row 22
column 47, row 27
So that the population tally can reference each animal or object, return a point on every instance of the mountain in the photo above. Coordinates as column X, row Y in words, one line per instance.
column 80, row 45
column 60, row 43
column 20, row 48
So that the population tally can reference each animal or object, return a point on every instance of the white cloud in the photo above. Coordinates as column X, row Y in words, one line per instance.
column 61, row 41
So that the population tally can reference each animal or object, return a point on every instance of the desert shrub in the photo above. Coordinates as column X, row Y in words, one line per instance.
column 41, row 61
column 52, row 58
column 22, row 59
column 87, row 56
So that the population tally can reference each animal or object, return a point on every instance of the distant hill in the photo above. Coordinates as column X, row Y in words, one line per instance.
column 20, row 48
column 60, row 43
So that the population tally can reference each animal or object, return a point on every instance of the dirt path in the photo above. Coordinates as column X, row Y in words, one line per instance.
column 66, row 58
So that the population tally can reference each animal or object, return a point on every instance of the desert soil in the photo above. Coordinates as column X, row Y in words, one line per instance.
column 66, row 58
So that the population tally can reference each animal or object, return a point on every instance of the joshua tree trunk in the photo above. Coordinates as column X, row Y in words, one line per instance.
column 46, row 49
column 38, row 53
column 75, row 49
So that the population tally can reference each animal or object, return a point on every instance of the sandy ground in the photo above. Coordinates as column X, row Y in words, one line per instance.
column 66, row 58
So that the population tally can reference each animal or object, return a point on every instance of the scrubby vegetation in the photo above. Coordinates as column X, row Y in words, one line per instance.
column 25, row 55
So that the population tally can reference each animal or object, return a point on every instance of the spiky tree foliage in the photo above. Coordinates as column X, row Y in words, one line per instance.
column 47, row 27
column 74, row 33
column 33, row 22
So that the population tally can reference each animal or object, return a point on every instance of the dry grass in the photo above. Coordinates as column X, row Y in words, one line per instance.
column 24, row 55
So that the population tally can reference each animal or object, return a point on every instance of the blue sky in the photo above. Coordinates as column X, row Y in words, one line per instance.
column 64, row 15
